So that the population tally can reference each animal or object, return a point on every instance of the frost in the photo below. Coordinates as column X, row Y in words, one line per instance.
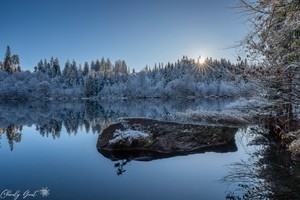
column 294, row 147
column 231, row 117
column 242, row 103
column 182, row 79
column 128, row 135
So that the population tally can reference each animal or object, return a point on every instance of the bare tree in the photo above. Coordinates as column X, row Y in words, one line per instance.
column 275, row 40
column 275, row 33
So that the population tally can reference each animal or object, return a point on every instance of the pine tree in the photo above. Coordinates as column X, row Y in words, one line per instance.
column 91, row 86
column 124, row 67
column 65, row 72
column 97, row 66
column 15, row 60
column 40, row 66
column 46, row 66
column 7, row 65
column 11, row 63
column 92, row 65
column 55, row 68
column 73, row 78
column 117, row 67
column 108, row 67
column 102, row 65
column 86, row 69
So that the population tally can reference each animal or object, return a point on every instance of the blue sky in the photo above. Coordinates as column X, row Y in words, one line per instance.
column 141, row 32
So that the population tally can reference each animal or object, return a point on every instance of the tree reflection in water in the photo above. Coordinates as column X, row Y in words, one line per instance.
column 49, row 118
column 269, row 173
column 120, row 166
column 13, row 133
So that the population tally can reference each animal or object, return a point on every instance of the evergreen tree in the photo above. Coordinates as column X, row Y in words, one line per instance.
column 118, row 67
column 86, row 69
column 108, row 67
column 56, row 68
column 124, row 67
column 46, row 67
column 102, row 65
column 91, row 86
column 97, row 66
column 15, row 61
column 65, row 73
column 73, row 78
column 92, row 65
column 40, row 67
column 7, row 65
column 11, row 63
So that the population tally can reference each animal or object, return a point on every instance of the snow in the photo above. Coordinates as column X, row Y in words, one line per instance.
column 294, row 147
column 181, row 79
column 225, row 117
column 128, row 135
column 243, row 103
column 230, row 113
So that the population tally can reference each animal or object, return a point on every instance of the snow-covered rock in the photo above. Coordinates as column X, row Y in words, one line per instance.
column 147, row 139
column 128, row 135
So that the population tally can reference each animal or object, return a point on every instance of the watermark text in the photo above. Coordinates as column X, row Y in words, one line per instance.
column 18, row 194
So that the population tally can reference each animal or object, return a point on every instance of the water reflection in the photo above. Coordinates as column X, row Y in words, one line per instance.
column 13, row 133
column 50, row 118
column 269, row 173
column 139, row 155
column 122, row 158
column 120, row 166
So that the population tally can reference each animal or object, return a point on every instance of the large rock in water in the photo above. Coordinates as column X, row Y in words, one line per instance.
column 148, row 139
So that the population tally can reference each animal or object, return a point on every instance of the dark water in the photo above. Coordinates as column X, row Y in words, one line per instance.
column 52, row 147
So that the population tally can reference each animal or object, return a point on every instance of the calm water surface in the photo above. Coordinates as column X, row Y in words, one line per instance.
column 53, row 147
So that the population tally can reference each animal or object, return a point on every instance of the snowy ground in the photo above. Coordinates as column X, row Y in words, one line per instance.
column 238, row 112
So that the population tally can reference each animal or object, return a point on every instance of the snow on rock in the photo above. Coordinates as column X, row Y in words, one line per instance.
column 128, row 135
column 136, row 138
column 294, row 148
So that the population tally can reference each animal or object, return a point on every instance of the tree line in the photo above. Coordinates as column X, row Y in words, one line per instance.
column 101, row 79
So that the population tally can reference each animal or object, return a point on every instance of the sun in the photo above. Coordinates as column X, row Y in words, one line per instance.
column 202, row 66
column 200, row 60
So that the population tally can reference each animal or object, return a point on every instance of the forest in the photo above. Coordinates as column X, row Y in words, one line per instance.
column 100, row 79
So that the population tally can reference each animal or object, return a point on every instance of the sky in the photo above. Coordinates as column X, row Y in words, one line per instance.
column 141, row 32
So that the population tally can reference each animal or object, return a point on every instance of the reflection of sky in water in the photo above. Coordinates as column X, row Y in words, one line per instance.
column 72, row 168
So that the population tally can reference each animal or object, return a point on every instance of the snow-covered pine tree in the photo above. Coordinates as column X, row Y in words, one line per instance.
column 86, row 69
column 7, row 65
column 97, row 66
column 56, row 68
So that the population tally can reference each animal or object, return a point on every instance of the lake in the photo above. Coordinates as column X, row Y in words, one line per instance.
column 48, row 151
